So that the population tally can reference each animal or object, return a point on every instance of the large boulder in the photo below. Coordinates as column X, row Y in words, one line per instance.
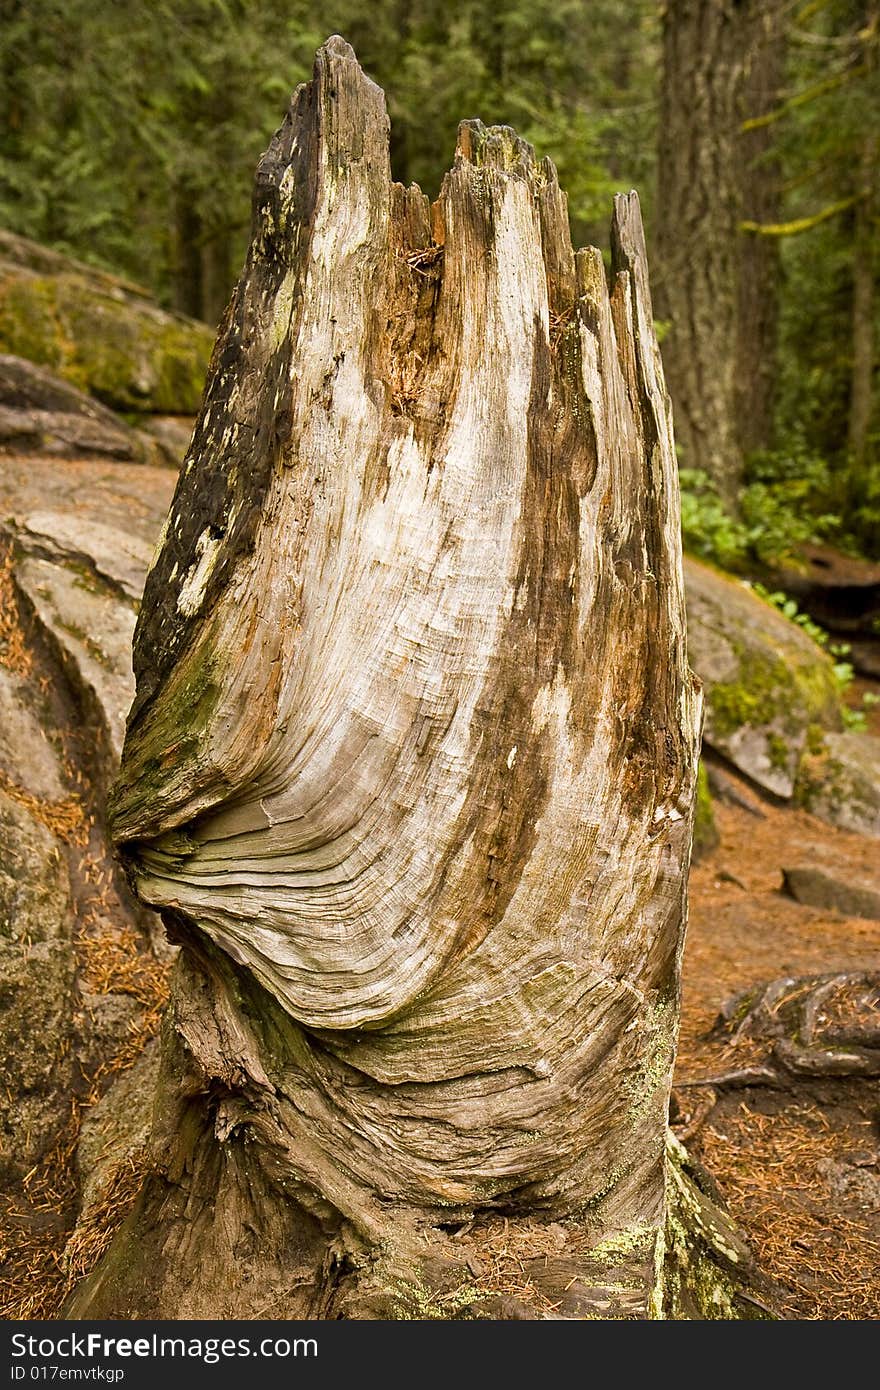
column 767, row 684
column 842, row 593
column 839, row 781
column 79, row 571
column 42, row 414
column 90, row 630
column 98, row 332
column 824, row 887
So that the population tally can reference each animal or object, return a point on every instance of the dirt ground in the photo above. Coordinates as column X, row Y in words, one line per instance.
column 800, row 1170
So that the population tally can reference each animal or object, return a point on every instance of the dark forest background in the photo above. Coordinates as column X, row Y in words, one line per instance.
column 130, row 132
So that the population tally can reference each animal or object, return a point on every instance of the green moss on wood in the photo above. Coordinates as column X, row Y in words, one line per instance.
column 708, row 1272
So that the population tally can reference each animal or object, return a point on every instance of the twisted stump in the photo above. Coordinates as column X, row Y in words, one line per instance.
column 410, row 769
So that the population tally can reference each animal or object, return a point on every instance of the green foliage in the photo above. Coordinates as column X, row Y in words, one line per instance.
column 132, row 131
column 707, row 526
column 130, row 134
column 827, row 147
column 786, row 502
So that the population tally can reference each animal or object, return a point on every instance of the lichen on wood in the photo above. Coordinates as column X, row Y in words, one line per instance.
column 410, row 769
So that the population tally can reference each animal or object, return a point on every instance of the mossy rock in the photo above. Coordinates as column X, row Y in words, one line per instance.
column 766, row 682
column 839, row 781
column 104, row 338
column 705, row 836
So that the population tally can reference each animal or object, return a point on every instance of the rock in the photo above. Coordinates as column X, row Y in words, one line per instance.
column 766, row 682
column 864, row 654
column 40, row 413
column 839, row 781
column 81, row 567
column 36, row 987
column 21, row 252
column 732, row 790
column 99, row 333
column 118, row 557
column 841, row 592
column 80, row 541
column 819, row 888
column 706, row 837
column 857, row 1183
column 34, row 884
column 132, row 498
column 90, row 630
column 66, row 436
column 111, row 1017
column 35, row 1028
column 26, row 755
column 168, row 437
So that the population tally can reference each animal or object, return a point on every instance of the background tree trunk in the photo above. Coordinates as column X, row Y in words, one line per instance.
column 759, row 268
column 410, row 767
column 708, row 50
column 861, row 402
column 187, row 282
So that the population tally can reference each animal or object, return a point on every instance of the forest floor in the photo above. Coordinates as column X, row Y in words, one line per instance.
column 799, row 1170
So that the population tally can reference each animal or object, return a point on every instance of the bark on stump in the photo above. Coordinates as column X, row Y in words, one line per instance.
column 410, row 769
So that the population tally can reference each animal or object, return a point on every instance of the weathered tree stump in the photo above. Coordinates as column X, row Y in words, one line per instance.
column 410, row 768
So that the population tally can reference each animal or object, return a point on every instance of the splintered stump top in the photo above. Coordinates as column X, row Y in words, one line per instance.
column 414, row 735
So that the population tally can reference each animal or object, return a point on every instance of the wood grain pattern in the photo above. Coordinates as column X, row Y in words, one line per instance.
column 415, row 736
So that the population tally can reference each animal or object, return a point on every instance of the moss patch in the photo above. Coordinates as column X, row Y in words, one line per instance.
column 128, row 354
column 708, row 1272
column 705, row 836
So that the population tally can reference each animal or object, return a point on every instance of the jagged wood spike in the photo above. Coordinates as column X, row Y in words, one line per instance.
column 410, row 768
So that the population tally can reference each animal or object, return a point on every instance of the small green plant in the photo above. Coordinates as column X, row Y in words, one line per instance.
column 784, row 504
column 786, row 501
column 707, row 527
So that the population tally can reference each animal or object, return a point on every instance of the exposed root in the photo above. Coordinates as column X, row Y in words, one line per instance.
column 816, row 1026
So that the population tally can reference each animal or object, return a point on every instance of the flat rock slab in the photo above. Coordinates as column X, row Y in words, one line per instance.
column 41, row 413
column 133, row 498
column 821, row 888
column 766, row 682
column 91, row 631
column 84, row 534
column 118, row 557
